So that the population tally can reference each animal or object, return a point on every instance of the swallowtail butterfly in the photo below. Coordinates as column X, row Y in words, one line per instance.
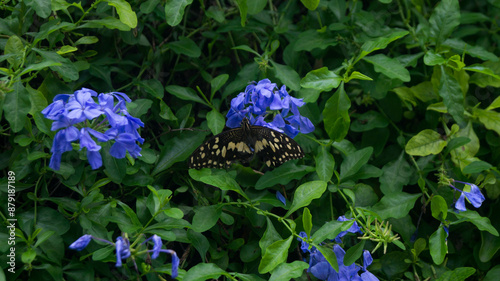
column 240, row 144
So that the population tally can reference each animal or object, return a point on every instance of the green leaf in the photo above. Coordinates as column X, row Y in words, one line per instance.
column 41, row 7
column 288, row 271
column 269, row 237
column 125, row 12
column 431, row 58
column 425, row 143
column 396, row 174
column 492, row 274
column 217, row 83
column 379, row 43
column 457, row 274
column 490, row 245
column 275, row 254
column 444, row 19
column 477, row 167
column 165, row 112
column 310, row 4
column 243, row 8
column 359, row 76
column 247, row 49
column 204, row 271
column 184, row 93
column 482, row 223
column 439, row 207
column 336, row 115
column 486, row 77
column 329, row 230
column 287, row 75
column 185, row 46
column 329, row 255
column 453, row 99
column 305, row 193
column 152, row 87
column 437, row 246
column 224, row 182
column 177, row 149
column 474, row 51
column 198, row 241
column 109, row 22
column 216, row 121
column 321, row 79
column 354, row 161
column 174, row 10
column 67, row 69
column 369, row 121
column 15, row 47
column 354, row 253
column 206, row 217
column 87, row 40
column 307, row 221
column 283, row 175
column 325, row 164
column 216, row 13
column 489, row 118
column 16, row 107
column 395, row 205
column 40, row 66
column 312, row 39
column 391, row 68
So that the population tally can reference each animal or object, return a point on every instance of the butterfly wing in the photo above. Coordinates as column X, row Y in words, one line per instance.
column 275, row 148
column 221, row 150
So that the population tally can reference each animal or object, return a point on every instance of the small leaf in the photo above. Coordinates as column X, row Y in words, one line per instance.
column 307, row 221
column 16, row 107
column 216, row 121
column 425, row 143
column 217, row 83
column 310, row 4
column 184, row 93
column 336, row 115
column 283, row 175
column 354, row 253
column 174, row 10
column 395, row 205
column 287, row 75
column 206, row 217
column 204, row 271
column 305, row 193
column 185, row 46
column 321, row 79
column 325, row 164
column 477, row 167
column 444, row 19
column 329, row 255
column 288, row 271
column 439, row 207
column 380, row 43
column 391, row 68
column 275, row 254
column 354, row 161
column 437, row 246
column 482, row 223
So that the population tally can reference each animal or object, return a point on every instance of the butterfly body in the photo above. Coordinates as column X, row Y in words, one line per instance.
column 241, row 144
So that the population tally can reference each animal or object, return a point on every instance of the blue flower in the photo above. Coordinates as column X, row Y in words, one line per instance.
column 77, row 117
column 122, row 250
column 353, row 229
column 322, row 270
column 81, row 242
column 475, row 197
column 304, row 246
column 157, row 246
column 263, row 99
column 281, row 197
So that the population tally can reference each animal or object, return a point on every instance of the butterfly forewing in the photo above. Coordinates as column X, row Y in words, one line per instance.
column 221, row 151
column 275, row 148
column 240, row 144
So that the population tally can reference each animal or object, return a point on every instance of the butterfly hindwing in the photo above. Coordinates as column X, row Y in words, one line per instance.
column 275, row 148
column 221, row 151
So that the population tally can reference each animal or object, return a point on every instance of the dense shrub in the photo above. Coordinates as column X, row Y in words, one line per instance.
column 394, row 105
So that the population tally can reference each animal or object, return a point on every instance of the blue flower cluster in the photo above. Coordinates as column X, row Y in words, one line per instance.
column 321, row 268
column 77, row 116
column 262, row 99
column 122, row 249
column 474, row 196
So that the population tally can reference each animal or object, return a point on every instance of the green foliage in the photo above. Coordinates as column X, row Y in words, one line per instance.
column 403, row 95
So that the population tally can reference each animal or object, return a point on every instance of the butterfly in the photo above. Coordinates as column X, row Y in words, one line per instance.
column 241, row 144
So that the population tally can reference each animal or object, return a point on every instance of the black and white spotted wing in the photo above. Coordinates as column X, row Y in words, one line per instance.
column 240, row 144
